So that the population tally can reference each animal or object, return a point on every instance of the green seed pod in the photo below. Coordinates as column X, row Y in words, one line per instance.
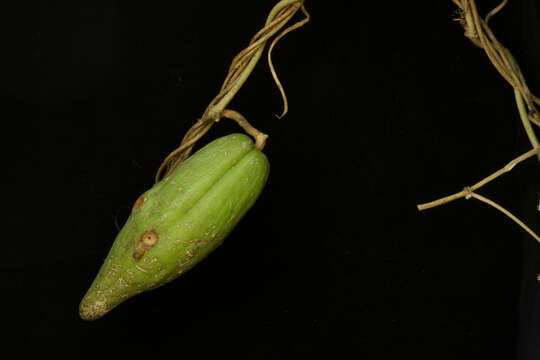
column 179, row 221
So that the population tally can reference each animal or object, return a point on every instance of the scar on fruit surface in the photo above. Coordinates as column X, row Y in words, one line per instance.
column 139, row 202
column 148, row 239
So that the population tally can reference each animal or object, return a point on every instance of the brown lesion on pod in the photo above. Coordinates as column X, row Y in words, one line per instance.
column 138, row 203
column 146, row 241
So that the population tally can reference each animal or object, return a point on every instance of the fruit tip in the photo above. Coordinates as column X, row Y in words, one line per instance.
column 93, row 310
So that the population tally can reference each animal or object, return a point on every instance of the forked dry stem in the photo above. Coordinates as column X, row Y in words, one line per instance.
column 469, row 191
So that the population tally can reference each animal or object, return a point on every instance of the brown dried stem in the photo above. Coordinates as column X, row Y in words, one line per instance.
column 239, row 71
column 468, row 192
column 478, row 31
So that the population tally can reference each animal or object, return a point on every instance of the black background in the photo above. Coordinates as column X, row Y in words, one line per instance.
column 389, row 106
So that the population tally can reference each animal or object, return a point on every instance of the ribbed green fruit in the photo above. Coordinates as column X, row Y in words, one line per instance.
column 179, row 221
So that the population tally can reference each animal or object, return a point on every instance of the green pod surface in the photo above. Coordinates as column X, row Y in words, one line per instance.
column 179, row 221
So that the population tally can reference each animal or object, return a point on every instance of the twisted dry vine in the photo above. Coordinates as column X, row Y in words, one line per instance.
column 478, row 31
column 239, row 70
